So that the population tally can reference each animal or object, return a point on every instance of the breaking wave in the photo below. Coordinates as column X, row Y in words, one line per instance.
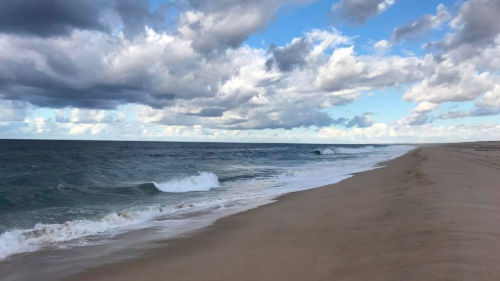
column 358, row 150
column 325, row 152
column 42, row 235
column 204, row 181
column 361, row 150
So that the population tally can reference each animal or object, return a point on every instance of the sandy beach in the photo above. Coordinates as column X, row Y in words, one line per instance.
column 433, row 214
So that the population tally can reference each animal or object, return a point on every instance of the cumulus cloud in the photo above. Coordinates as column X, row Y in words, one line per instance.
column 172, row 80
column 449, row 81
column 62, row 72
column 421, row 26
column 208, row 112
column 382, row 44
column 87, row 116
column 491, row 99
column 164, row 73
column 360, row 121
column 465, row 68
column 404, row 133
column 51, row 17
column 489, row 105
column 415, row 119
column 196, row 76
column 357, row 12
column 323, row 40
column 425, row 107
column 344, row 70
column 288, row 57
column 214, row 26
column 60, row 18
column 13, row 111
column 476, row 24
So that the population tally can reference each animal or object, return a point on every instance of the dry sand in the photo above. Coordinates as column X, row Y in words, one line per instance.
column 433, row 214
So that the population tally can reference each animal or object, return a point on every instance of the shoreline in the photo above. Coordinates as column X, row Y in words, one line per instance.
column 428, row 215
column 112, row 270
column 159, row 216
column 361, row 228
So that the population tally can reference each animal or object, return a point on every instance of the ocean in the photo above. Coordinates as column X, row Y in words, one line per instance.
column 63, row 194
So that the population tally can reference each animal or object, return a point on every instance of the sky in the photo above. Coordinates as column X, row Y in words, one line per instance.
column 299, row 71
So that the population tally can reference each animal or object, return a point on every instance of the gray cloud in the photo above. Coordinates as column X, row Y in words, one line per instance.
column 445, row 77
column 281, row 115
column 421, row 26
column 476, row 23
column 284, row 116
column 360, row 121
column 60, row 17
column 50, row 17
column 288, row 57
column 69, row 58
column 217, row 25
column 477, row 112
column 421, row 120
column 196, row 74
column 346, row 71
column 136, row 14
column 13, row 111
column 209, row 112
column 416, row 119
column 60, row 72
column 357, row 12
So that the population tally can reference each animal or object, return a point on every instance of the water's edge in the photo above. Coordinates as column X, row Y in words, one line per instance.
column 132, row 244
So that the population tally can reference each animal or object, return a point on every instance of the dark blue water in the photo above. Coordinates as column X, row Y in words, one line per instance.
column 45, row 184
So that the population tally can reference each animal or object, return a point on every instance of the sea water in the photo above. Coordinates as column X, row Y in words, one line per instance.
column 73, row 193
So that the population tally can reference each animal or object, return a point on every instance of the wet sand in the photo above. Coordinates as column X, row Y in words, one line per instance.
column 433, row 214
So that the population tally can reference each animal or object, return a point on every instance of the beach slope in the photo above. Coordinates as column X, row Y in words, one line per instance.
column 433, row 214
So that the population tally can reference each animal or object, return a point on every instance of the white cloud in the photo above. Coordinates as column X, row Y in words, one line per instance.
column 491, row 98
column 88, row 116
column 198, row 79
column 425, row 107
column 451, row 82
column 344, row 70
column 13, row 111
column 382, row 44
column 383, row 133
column 78, row 129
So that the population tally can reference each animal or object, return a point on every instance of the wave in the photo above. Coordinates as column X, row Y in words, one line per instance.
column 325, row 152
column 16, row 241
column 362, row 150
column 357, row 150
column 204, row 181
column 42, row 235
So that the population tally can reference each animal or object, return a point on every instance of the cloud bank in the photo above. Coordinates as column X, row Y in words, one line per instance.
column 184, row 66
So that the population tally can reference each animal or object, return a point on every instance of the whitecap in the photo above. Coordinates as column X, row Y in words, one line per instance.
column 204, row 181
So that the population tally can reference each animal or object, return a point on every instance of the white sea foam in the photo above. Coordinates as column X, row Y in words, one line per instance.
column 357, row 150
column 42, row 235
column 363, row 149
column 204, row 181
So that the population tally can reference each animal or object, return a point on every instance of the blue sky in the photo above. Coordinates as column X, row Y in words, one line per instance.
column 338, row 71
